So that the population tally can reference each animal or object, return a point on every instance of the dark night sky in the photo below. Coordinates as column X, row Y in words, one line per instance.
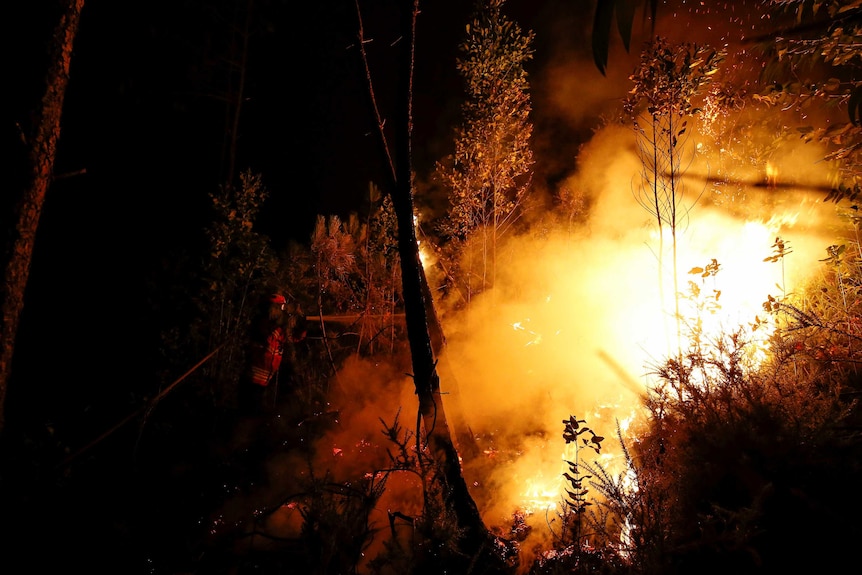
column 144, row 120
column 144, row 109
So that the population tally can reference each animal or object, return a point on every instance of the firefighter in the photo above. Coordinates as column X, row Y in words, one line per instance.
column 266, row 351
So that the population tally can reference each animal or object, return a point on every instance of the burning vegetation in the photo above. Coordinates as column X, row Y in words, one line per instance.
column 655, row 375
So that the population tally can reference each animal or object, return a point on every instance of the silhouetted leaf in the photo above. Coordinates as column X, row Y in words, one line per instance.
column 601, row 33
column 854, row 106
column 625, row 17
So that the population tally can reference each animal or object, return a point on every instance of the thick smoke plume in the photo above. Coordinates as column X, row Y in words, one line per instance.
column 576, row 319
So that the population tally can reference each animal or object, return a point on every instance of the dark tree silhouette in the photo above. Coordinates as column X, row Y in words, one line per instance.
column 43, row 149
column 476, row 542
column 603, row 23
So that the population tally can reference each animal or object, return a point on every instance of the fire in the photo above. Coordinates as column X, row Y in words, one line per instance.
column 771, row 174
column 581, row 315
column 584, row 319
column 730, row 269
column 426, row 254
column 541, row 494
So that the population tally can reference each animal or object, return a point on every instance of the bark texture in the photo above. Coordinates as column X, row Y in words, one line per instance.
column 43, row 148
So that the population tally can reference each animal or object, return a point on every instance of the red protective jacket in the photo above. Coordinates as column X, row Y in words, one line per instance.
column 266, row 358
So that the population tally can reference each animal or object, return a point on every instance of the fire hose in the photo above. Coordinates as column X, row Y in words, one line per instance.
column 149, row 405
column 153, row 402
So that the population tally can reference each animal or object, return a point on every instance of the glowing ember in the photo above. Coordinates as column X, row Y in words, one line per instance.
column 535, row 338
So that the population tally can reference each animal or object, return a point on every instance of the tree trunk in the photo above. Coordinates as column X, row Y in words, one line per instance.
column 477, row 541
column 433, row 325
column 236, row 96
column 43, row 148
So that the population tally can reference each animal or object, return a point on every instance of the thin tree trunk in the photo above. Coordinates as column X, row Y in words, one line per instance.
column 43, row 149
column 434, row 327
column 238, row 97
column 424, row 332
column 476, row 541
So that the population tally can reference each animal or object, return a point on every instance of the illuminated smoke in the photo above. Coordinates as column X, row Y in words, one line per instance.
column 576, row 318
column 573, row 325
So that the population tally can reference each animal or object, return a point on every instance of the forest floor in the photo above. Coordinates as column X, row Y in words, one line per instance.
column 177, row 494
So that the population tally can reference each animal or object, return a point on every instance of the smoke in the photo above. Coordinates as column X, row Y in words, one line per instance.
column 578, row 316
column 367, row 398
column 576, row 319
column 575, row 322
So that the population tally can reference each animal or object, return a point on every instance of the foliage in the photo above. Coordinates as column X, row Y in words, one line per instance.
column 381, row 275
column 574, row 206
column 238, row 268
column 336, row 522
column 489, row 173
column 629, row 518
column 666, row 81
column 577, row 501
column 816, row 64
column 737, row 454
column 576, row 549
column 334, row 249
column 431, row 541
column 825, row 325
column 602, row 23
column 356, row 272
column 702, row 303
column 732, row 136
column 576, row 504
